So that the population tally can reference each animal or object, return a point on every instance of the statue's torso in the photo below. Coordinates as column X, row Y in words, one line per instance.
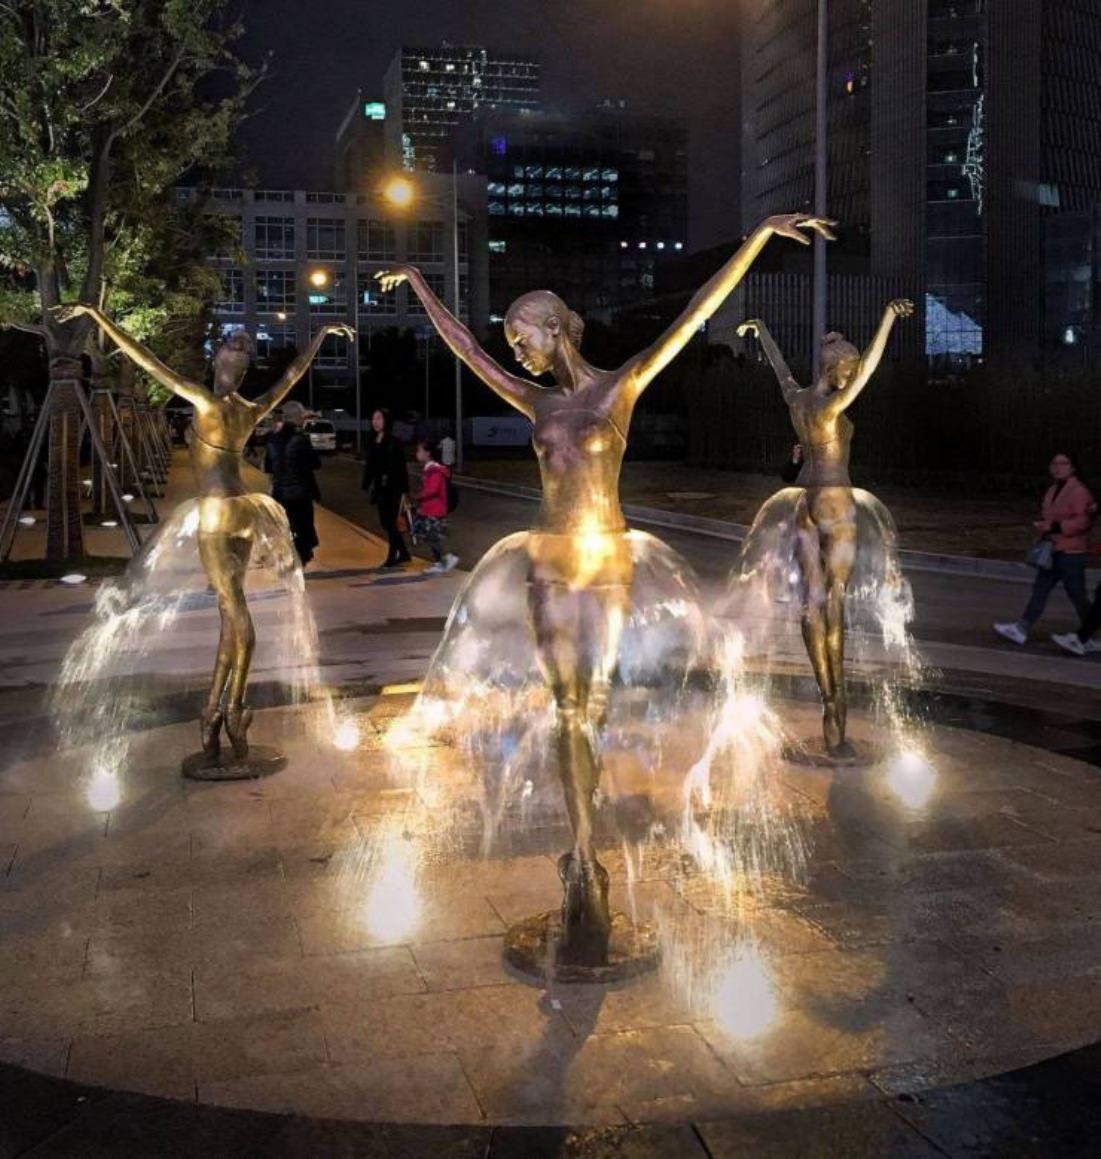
column 579, row 440
column 219, row 432
column 826, row 436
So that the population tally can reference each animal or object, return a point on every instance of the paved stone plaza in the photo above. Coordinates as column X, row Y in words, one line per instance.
column 328, row 941
column 277, row 945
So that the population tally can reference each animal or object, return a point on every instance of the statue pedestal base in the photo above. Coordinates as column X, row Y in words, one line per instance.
column 532, row 947
column 260, row 762
column 813, row 752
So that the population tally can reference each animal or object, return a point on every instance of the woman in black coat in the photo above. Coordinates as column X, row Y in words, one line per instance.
column 291, row 462
column 386, row 481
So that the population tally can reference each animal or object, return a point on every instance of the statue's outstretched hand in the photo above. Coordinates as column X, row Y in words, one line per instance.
column 751, row 327
column 392, row 278
column 902, row 307
column 70, row 310
column 792, row 224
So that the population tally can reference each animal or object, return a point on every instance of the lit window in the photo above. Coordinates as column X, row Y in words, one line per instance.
column 497, row 247
column 424, row 66
column 622, row 245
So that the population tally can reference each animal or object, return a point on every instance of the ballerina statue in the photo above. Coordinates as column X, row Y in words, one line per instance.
column 579, row 554
column 221, row 425
column 825, row 514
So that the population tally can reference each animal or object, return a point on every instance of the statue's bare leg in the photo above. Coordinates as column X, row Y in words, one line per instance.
column 834, row 513
column 225, row 558
column 577, row 636
column 808, row 552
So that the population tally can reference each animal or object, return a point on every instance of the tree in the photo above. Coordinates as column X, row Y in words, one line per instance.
column 104, row 106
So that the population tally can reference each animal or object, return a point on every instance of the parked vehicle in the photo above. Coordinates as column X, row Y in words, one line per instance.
column 322, row 435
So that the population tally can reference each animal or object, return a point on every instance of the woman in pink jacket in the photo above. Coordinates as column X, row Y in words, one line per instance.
column 1065, row 517
column 430, row 520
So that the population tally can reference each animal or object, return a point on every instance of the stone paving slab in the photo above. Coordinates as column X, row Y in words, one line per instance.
column 236, row 947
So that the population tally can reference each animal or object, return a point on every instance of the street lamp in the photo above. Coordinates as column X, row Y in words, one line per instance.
column 318, row 278
column 401, row 193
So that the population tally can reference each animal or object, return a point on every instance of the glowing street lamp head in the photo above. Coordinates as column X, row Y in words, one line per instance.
column 399, row 192
column 319, row 278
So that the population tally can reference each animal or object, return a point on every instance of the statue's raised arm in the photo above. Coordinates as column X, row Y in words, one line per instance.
column 845, row 396
column 139, row 354
column 645, row 367
column 757, row 329
column 514, row 390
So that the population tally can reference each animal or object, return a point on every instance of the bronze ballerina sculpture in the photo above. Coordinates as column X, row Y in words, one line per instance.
column 221, row 425
column 825, row 511
column 580, row 564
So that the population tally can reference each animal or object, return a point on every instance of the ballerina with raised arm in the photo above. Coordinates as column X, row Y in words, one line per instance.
column 579, row 564
column 221, row 425
column 825, row 509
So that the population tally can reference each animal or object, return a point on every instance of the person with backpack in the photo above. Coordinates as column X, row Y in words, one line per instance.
column 435, row 502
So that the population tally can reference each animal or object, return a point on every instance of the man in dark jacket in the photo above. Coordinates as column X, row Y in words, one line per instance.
column 291, row 462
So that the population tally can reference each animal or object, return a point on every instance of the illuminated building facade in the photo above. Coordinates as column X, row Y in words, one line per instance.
column 310, row 258
column 428, row 91
column 964, row 158
column 587, row 204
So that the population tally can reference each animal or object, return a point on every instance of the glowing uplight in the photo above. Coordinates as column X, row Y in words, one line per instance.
column 745, row 1003
column 346, row 736
column 911, row 778
column 127, row 497
column 104, row 791
column 27, row 520
column 109, row 523
column 392, row 911
column 74, row 578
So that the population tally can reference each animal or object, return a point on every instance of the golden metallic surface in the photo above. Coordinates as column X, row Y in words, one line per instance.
column 826, row 511
column 221, row 425
column 580, row 563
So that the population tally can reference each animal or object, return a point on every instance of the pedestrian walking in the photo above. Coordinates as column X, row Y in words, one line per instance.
column 291, row 461
column 386, row 481
column 433, row 507
column 1059, row 553
column 789, row 472
column 1082, row 639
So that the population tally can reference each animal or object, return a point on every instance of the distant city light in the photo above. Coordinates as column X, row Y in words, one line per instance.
column 678, row 245
column 641, row 245
column 622, row 245
column 319, row 278
column 1069, row 336
column 661, row 245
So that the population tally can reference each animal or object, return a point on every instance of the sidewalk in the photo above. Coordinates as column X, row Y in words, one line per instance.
column 374, row 627
column 380, row 628
column 994, row 527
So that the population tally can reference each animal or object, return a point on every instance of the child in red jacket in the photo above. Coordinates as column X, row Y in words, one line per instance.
column 430, row 520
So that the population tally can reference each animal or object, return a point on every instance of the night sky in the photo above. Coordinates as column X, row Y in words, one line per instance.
column 674, row 56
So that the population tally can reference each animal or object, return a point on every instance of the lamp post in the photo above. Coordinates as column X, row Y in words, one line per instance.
column 318, row 278
column 400, row 192
column 821, row 122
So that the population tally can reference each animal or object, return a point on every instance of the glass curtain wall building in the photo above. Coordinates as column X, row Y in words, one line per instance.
column 971, row 129
column 428, row 91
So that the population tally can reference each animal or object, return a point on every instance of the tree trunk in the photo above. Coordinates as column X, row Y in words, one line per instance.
column 64, row 529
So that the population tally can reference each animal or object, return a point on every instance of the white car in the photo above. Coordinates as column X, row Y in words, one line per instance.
column 321, row 433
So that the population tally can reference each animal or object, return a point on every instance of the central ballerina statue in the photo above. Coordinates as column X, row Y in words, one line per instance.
column 580, row 564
